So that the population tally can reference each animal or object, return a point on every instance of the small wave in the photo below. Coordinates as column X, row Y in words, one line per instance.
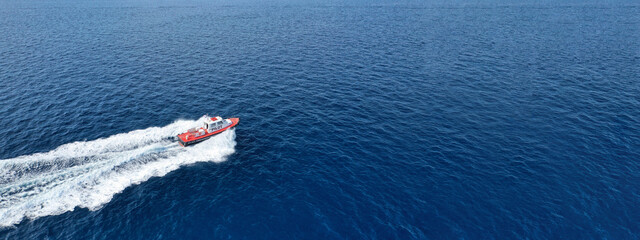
column 87, row 174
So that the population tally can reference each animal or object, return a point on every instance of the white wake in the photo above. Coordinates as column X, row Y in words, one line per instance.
column 88, row 174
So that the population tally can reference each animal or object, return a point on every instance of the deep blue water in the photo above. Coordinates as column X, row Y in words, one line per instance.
column 357, row 121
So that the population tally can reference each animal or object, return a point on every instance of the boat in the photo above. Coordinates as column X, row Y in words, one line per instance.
column 211, row 127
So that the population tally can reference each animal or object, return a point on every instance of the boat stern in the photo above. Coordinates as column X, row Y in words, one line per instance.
column 182, row 139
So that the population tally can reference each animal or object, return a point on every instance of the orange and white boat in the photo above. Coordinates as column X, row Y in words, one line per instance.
column 211, row 127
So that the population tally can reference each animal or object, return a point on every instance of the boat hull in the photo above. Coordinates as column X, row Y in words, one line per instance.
column 234, row 123
column 187, row 143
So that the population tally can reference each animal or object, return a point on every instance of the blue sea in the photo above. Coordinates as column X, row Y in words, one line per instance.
column 358, row 120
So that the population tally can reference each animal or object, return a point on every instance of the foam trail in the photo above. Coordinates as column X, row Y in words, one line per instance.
column 88, row 174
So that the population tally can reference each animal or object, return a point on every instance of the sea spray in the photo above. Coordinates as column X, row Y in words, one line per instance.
column 88, row 174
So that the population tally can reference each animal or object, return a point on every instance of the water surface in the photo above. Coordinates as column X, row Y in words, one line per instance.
column 388, row 121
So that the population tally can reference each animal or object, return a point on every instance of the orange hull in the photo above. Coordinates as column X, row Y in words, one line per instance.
column 190, row 138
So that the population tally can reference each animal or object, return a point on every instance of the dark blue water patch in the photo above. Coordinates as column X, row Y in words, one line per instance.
column 388, row 122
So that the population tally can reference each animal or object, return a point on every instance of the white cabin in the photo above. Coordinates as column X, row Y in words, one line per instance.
column 215, row 123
